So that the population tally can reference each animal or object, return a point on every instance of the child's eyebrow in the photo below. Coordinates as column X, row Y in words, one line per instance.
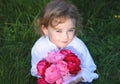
column 72, row 28
column 60, row 28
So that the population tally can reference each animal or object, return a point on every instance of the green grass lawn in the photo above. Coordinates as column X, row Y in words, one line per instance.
column 101, row 33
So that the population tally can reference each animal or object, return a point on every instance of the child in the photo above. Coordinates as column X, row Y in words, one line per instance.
column 57, row 24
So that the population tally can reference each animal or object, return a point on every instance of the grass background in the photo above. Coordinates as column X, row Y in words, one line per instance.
column 101, row 33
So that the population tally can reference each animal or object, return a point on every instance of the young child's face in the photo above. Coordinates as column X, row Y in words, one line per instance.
column 62, row 34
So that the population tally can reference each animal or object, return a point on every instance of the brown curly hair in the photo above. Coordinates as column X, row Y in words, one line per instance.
column 55, row 13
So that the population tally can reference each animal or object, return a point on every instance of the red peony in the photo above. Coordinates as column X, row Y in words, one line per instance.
column 57, row 66
column 41, row 81
column 73, row 63
column 41, row 67
column 65, row 52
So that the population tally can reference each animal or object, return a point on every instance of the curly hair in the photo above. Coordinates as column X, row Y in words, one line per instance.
column 55, row 13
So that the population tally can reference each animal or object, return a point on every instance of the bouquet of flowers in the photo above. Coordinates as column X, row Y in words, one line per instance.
column 56, row 66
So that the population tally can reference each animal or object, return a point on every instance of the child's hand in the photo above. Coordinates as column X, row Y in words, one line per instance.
column 79, row 79
column 73, row 82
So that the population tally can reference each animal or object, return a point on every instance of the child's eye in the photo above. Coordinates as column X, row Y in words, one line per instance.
column 72, row 30
column 59, row 31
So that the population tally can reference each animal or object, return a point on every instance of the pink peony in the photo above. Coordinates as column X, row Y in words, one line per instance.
column 62, row 65
column 57, row 66
column 60, row 81
column 52, row 74
column 54, row 57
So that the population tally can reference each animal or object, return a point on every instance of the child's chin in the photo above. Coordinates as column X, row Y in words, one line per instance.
column 61, row 47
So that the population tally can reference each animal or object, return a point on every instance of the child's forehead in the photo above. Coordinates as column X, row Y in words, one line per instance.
column 64, row 22
column 59, row 20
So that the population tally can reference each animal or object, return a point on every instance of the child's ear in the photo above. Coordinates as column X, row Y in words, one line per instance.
column 45, row 30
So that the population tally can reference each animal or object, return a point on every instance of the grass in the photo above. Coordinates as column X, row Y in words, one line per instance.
column 17, row 36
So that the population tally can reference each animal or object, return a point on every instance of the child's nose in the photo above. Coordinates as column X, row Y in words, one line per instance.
column 65, row 36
